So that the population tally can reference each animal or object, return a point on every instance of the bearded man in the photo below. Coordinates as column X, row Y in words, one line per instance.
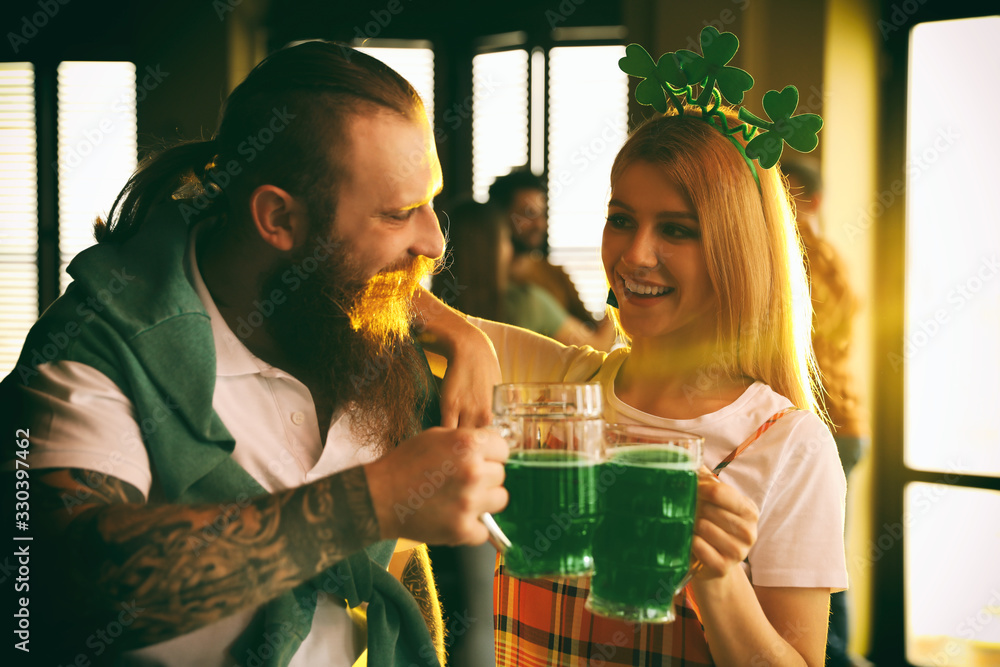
column 228, row 439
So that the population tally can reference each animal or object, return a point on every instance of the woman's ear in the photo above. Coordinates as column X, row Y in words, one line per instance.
column 279, row 218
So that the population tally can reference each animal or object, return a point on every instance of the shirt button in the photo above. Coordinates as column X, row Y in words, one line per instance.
column 298, row 418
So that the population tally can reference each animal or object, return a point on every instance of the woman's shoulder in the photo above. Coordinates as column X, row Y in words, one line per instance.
column 788, row 420
column 761, row 398
column 796, row 443
column 770, row 432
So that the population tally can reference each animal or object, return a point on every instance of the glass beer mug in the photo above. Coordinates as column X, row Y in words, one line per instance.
column 555, row 433
column 648, row 485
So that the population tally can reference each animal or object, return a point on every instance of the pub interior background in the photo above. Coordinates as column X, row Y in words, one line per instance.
column 908, row 156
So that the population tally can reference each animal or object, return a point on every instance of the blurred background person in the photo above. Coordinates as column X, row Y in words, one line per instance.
column 479, row 279
column 834, row 308
column 523, row 199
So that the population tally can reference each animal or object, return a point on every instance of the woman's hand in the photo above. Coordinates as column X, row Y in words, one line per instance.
column 745, row 625
column 472, row 367
column 467, row 390
column 725, row 527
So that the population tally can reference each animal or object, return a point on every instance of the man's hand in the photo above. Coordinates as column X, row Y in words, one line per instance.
column 433, row 487
column 725, row 526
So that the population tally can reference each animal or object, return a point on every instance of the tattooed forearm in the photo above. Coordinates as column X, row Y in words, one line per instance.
column 419, row 579
column 64, row 491
column 190, row 565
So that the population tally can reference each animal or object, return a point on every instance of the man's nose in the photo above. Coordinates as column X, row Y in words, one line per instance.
column 429, row 241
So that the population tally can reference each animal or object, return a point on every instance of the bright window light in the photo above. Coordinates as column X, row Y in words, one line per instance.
column 538, row 111
column 18, row 210
column 499, row 117
column 950, row 358
column 952, row 579
column 588, row 123
column 951, row 355
column 97, row 148
column 416, row 65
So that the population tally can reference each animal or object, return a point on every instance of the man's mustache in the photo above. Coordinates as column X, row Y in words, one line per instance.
column 412, row 268
column 383, row 308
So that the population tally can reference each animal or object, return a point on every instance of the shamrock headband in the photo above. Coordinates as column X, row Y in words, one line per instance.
column 675, row 74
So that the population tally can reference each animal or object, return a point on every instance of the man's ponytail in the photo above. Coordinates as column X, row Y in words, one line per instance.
column 155, row 180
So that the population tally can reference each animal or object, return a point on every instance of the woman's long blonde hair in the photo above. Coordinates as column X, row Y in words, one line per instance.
column 752, row 250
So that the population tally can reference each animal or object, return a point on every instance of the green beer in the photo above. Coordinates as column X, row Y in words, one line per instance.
column 550, row 517
column 642, row 542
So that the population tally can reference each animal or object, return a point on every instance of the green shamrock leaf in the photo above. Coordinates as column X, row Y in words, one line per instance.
column 733, row 82
column 799, row 132
column 711, row 68
column 670, row 67
column 638, row 63
column 765, row 148
column 657, row 77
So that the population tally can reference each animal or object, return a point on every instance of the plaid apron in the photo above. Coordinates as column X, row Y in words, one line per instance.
column 542, row 622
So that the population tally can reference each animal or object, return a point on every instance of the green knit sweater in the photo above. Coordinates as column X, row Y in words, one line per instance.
column 132, row 314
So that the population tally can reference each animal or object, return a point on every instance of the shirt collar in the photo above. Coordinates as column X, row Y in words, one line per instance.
column 232, row 357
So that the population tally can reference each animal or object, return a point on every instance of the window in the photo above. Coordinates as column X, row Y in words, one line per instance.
column 18, row 210
column 950, row 359
column 97, row 148
column 414, row 62
column 585, row 122
column 499, row 117
column 951, row 575
column 588, row 123
column 953, row 256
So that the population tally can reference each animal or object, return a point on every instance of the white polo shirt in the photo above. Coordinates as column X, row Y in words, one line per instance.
column 81, row 419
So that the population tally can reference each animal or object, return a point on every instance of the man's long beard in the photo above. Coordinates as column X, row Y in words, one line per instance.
column 350, row 337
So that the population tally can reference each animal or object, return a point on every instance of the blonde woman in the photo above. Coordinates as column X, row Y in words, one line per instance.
column 706, row 271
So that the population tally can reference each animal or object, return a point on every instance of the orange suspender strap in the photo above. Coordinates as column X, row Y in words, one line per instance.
column 761, row 430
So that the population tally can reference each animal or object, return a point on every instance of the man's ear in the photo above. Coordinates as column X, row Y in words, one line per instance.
column 280, row 219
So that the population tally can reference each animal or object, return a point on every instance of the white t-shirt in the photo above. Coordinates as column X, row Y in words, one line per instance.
column 81, row 419
column 792, row 472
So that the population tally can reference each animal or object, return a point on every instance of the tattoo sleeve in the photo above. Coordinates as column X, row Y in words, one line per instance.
column 419, row 579
column 189, row 565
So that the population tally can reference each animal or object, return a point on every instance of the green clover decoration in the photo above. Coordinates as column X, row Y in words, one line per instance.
column 711, row 69
column 673, row 78
column 663, row 76
column 799, row 132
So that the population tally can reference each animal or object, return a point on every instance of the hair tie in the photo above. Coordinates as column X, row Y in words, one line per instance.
column 212, row 188
column 211, row 164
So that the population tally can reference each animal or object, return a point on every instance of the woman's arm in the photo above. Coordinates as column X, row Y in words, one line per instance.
column 472, row 370
column 747, row 625
column 473, row 347
column 575, row 332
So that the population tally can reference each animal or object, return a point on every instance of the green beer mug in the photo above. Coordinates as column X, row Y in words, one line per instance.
column 648, row 485
column 555, row 433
